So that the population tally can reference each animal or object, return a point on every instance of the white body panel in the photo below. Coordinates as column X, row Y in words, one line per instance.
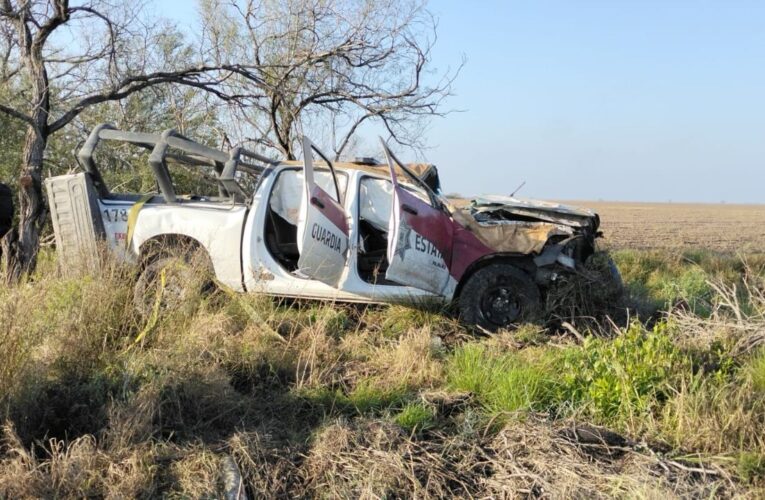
column 216, row 226
column 323, row 248
column 114, row 216
column 556, row 208
column 233, row 235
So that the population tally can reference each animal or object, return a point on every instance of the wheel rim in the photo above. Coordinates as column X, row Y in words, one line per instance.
column 501, row 306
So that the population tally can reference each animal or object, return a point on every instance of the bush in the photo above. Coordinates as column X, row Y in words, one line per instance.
column 616, row 380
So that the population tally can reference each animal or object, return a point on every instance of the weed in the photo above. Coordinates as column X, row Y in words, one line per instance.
column 751, row 466
column 416, row 417
column 502, row 382
column 621, row 379
column 756, row 371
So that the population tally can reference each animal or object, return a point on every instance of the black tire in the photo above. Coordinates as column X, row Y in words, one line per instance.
column 6, row 209
column 499, row 296
column 187, row 277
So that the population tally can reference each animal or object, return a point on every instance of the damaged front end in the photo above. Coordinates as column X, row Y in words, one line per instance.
column 557, row 237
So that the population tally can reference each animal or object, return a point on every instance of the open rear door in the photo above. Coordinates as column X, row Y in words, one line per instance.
column 322, row 227
column 419, row 234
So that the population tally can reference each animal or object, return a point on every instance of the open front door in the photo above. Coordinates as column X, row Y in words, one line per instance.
column 322, row 226
column 420, row 234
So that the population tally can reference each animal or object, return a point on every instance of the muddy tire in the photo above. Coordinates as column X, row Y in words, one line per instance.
column 499, row 296
column 186, row 278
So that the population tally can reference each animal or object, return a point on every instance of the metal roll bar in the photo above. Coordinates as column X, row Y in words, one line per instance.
column 159, row 167
column 225, row 165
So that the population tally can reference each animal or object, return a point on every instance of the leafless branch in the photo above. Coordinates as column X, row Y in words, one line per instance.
column 332, row 62
column 17, row 114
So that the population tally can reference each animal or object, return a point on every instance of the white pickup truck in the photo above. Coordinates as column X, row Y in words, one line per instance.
column 357, row 231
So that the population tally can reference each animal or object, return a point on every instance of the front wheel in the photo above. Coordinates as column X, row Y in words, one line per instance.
column 499, row 296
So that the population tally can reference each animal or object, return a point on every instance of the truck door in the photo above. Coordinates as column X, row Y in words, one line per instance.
column 322, row 226
column 420, row 234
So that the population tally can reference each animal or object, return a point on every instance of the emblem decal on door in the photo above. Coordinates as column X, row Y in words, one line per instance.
column 404, row 242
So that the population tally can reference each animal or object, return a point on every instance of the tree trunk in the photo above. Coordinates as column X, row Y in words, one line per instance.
column 32, row 209
column 21, row 257
column 22, row 244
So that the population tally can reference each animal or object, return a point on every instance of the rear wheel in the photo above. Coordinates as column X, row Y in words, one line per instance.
column 499, row 296
column 172, row 281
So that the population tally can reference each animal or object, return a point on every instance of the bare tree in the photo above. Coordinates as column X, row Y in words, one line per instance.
column 58, row 59
column 330, row 66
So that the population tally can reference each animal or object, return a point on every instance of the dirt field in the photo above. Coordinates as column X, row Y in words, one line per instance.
column 729, row 228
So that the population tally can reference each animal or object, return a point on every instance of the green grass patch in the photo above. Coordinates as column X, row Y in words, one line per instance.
column 612, row 380
column 751, row 467
column 366, row 397
column 416, row 417
column 504, row 382
column 395, row 321
column 756, row 371
column 658, row 280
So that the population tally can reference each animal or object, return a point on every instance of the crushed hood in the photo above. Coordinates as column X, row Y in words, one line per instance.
column 517, row 225
column 499, row 208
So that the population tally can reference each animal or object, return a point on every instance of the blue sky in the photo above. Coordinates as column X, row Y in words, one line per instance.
column 616, row 100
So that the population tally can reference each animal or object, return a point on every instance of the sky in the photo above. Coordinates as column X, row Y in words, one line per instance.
column 629, row 100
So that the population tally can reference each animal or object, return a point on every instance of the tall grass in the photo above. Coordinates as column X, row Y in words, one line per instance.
column 326, row 400
column 503, row 382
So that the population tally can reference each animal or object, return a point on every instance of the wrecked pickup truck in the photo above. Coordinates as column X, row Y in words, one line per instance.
column 355, row 231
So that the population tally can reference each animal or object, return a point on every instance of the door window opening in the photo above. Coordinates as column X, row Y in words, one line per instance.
column 283, row 210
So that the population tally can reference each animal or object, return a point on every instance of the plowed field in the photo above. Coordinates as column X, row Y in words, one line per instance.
column 728, row 228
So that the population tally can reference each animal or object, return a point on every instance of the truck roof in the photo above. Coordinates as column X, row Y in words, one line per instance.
column 425, row 171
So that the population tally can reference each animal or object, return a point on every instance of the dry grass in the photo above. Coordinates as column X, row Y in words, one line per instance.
column 530, row 457
column 736, row 318
column 79, row 468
